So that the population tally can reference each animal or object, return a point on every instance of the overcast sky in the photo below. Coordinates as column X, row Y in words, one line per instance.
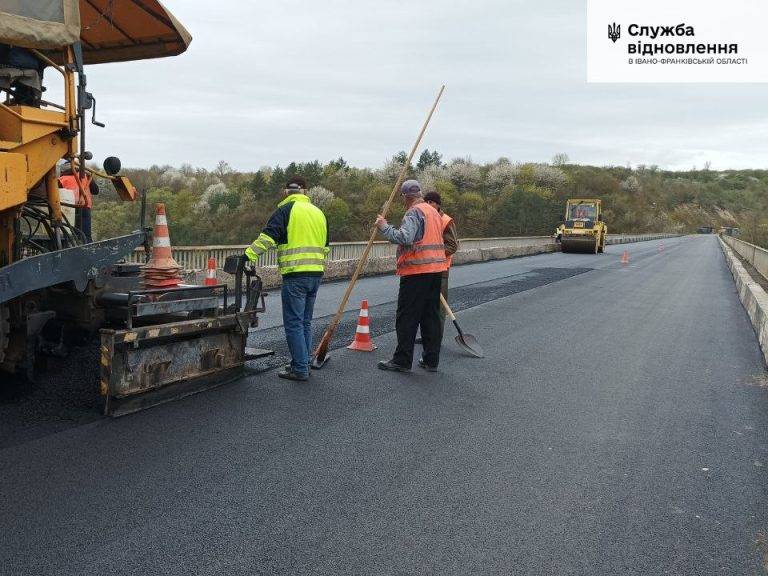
column 273, row 82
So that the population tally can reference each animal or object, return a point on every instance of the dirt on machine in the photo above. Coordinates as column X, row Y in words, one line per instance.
column 583, row 229
column 156, row 343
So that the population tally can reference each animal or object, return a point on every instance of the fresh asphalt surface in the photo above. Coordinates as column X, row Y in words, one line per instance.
column 618, row 425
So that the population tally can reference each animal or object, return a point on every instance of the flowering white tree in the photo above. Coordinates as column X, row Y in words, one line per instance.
column 390, row 171
column 176, row 179
column 501, row 175
column 549, row 176
column 430, row 176
column 631, row 185
column 171, row 176
column 465, row 174
column 204, row 203
column 320, row 196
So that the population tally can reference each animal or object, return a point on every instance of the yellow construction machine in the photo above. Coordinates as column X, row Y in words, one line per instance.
column 583, row 229
column 168, row 341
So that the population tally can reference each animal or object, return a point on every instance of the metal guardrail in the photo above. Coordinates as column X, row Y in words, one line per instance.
column 755, row 255
column 196, row 257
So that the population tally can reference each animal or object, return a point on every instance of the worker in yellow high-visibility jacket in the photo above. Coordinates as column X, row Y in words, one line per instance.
column 299, row 231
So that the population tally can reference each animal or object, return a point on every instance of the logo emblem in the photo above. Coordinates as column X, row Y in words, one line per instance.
column 614, row 31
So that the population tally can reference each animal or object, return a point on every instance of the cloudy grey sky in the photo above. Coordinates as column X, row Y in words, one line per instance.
column 272, row 82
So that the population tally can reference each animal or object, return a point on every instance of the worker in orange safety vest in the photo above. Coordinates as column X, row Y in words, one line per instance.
column 450, row 239
column 84, row 189
column 421, row 261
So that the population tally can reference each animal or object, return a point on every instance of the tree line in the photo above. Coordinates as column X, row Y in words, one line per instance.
column 501, row 198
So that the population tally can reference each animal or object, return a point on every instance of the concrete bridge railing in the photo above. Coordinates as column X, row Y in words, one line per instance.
column 751, row 293
column 195, row 258
column 345, row 255
column 756, row 256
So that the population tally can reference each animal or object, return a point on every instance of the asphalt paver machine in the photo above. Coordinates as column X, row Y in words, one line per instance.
column 155, row 343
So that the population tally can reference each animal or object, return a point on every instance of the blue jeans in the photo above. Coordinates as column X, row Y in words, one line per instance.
column 299, row 293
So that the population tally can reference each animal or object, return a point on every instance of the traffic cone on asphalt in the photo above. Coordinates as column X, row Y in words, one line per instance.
column 210, row 274
column 162, row 270
column 625, row 257
column 362, row 341
column 661, row 246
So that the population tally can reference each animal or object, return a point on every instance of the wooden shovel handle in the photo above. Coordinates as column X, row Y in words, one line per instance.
column 448, row 310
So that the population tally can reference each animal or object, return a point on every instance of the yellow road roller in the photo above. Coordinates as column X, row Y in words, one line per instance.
column 583, row 229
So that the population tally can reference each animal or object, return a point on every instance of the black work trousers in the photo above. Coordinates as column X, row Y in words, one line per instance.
column 418, row 305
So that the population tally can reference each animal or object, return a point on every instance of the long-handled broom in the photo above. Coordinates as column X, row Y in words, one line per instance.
column 320, row 356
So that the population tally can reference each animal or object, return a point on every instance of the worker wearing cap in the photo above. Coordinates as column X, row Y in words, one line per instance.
column 451, row 241
column 299, row 232
column 84, row 189
column 421, row 262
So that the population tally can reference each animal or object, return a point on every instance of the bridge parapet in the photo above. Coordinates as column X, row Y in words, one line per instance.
column 195, row 258
column 752, row 295
column 755, row 255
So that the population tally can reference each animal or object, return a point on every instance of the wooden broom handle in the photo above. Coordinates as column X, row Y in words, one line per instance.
column 364, row 258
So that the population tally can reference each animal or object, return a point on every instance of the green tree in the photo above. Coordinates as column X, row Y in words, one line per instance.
column 428, row 158
column 472, row 216
column 338, row 215
column 524, row 210
column 258, row 186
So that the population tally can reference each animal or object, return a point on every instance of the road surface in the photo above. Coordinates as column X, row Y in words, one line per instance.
column 618, row 425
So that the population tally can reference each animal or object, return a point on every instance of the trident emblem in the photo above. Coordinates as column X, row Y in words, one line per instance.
column 614, row 31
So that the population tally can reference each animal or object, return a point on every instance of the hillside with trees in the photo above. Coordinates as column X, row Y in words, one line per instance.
column 503, row 198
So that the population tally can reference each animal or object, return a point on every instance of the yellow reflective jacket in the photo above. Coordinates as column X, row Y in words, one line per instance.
column 299, row 231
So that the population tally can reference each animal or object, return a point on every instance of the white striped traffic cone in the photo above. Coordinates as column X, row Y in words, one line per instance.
column 362, row 341
column 162, row 270
column 210, row 274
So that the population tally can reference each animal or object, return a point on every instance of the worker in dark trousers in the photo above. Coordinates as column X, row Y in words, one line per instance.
column 84, row 191
column 451, row 241
column 299, row 232
column 421, row 262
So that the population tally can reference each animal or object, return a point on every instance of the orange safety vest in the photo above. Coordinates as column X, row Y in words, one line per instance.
column 428, row 254
column 83, row 197
column 447, row 222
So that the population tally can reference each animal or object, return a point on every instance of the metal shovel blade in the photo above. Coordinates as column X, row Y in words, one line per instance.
column 469, row 344
column 317, row 362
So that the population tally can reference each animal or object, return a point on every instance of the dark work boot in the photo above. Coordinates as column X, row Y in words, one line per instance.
column 288, row 374
column 390, row 365
column 426, row 366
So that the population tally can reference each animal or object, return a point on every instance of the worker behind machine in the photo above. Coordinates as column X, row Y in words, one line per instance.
column 558, row 235
column 583, row 212
column 451, row 241
column 21, row 75
column 83, row 197
column 299, row 231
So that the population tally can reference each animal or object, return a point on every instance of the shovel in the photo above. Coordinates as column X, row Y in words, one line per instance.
column 466, row 341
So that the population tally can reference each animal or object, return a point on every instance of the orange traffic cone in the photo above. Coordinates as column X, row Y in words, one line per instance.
column 162, row 270
column 625, row 257
column 362, row 341
column 210, row 275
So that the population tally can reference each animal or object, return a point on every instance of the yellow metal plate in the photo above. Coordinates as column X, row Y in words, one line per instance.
column 13, row 180
column 578, row 224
